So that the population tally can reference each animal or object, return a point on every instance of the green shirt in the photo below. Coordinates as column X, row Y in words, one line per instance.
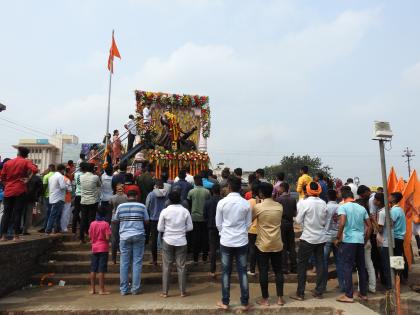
column 45, row 183
column 198, row 197
column 146, row 184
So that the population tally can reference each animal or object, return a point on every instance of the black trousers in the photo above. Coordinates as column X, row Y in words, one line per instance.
column 214, row 244
column 252, row 255
column 289, row 248
column 399, row 251
column 376, row 258
column 87, row 217
column 200, row 240
column 264, row 259
column 13, row 209
column 76, row 214
column 304, row 254
column 153, row 239
column 130, row 139
column 115, row 240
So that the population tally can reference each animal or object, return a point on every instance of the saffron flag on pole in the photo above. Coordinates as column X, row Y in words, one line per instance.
column 392, row 181
column 410, row 195
column 113, row 52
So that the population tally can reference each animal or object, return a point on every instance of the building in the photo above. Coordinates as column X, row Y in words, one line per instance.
column 44, row 152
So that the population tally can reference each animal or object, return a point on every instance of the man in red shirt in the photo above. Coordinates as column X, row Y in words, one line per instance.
column 15, row 174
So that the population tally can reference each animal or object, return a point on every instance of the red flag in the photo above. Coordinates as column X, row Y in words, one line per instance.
column 113, row 52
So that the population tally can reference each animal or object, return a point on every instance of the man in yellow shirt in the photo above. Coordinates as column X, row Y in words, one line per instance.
column 303, row 180
column 269, row 244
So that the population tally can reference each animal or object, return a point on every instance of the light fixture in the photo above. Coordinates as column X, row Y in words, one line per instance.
column 382, row 131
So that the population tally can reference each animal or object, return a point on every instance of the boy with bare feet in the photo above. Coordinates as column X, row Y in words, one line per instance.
column 99, row 233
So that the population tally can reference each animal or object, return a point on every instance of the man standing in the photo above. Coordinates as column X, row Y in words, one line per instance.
column 197, row 198
column 399, row 227
column 312, row 215
column 260, row 174
column 319, row 178
column 233, row 220
column 145, row 182
column 183, row 184
column 132, row 216
column 90, row 185
column 46, row 202
column 147, row 114
column 14, row 175
column 131, row 126
column 279, row 180
column 287, row 229
column 352, row 235
column 303, row 181
column 331, row 230
column 58, row 188
column 77, row 206
column 268, row 244
column 209, row 215
column 33, row 193
column 352, row 186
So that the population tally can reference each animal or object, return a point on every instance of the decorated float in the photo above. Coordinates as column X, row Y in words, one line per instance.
column 176, row 136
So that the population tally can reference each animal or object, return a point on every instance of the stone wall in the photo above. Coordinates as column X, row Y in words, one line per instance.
column 19, row 261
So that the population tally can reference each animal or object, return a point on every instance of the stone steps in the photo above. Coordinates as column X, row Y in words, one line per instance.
column 113, row 278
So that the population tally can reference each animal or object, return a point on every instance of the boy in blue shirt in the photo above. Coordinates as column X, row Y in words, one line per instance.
column 351, row 238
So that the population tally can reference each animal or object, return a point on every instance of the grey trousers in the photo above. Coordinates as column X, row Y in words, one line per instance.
column 169, row 255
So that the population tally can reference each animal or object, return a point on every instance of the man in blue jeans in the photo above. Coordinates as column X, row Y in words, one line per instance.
column 233, row 220
column 353, row 232
column 331, row 230
column 132, row 217
column 57, row 190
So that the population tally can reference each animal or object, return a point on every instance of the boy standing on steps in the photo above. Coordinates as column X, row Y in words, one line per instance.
column 99, row 233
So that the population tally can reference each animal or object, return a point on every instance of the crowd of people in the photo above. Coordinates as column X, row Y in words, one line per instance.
column 212, row 219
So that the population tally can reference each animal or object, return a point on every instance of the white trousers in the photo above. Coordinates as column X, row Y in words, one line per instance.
column 65, row 217
column 369, row 267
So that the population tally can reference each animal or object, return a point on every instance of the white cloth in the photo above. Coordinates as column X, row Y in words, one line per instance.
column 106, row 189
column 233, row 220
column 147, row 115
column 65, row 217
column 131, row 126
column 189, row 178
column 57, row 187
column 312, row 215
column 373, row 210
column 331, row 227
column 382, row 222
column 175, row 221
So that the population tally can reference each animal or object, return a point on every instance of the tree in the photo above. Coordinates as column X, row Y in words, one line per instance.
column 291, row 164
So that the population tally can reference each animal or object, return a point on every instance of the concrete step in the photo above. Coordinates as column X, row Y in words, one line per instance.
column 113, row 278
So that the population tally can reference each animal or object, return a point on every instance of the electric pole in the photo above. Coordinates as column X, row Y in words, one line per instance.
column 408, row 154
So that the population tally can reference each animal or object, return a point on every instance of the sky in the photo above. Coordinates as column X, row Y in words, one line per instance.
column 283, row 77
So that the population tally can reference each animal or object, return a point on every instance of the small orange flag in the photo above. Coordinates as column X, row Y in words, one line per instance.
column 400, row 185
column 392, row 181
column 410, row 203
column 113, row 52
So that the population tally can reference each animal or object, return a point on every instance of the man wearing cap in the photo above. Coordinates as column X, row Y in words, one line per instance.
column 312, row 215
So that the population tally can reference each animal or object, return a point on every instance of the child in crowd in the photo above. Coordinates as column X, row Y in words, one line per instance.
column 99, row 233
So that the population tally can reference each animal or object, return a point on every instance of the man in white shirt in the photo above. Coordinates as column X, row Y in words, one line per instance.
column 233, row 220
column 312, row 215
column 57, row 189
column 147, row 114
column 131, row 126
column 352, row 186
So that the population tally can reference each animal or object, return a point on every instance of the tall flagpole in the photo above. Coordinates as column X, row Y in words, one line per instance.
column 109, row 98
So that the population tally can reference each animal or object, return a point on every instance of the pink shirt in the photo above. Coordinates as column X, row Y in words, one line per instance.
column 98, row 232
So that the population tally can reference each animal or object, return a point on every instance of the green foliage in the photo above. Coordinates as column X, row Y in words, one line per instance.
column 291, row 164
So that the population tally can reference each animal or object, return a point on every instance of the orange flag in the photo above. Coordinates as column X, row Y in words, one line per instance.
column 410, row 193
column 113, row 52
column 400, row 185
column 392, row 181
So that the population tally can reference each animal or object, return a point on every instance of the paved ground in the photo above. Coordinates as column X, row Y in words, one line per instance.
column 202, row 299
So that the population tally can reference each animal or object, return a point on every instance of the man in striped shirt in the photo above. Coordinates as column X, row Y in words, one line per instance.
column 132, row 217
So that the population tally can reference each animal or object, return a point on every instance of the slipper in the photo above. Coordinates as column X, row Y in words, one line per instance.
column 163, row 295
column 362, row 297
column 297, row 297
column 280, row 301
column 245, row 308
column 344, row 299
column 222, row 306
column 185, row 294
